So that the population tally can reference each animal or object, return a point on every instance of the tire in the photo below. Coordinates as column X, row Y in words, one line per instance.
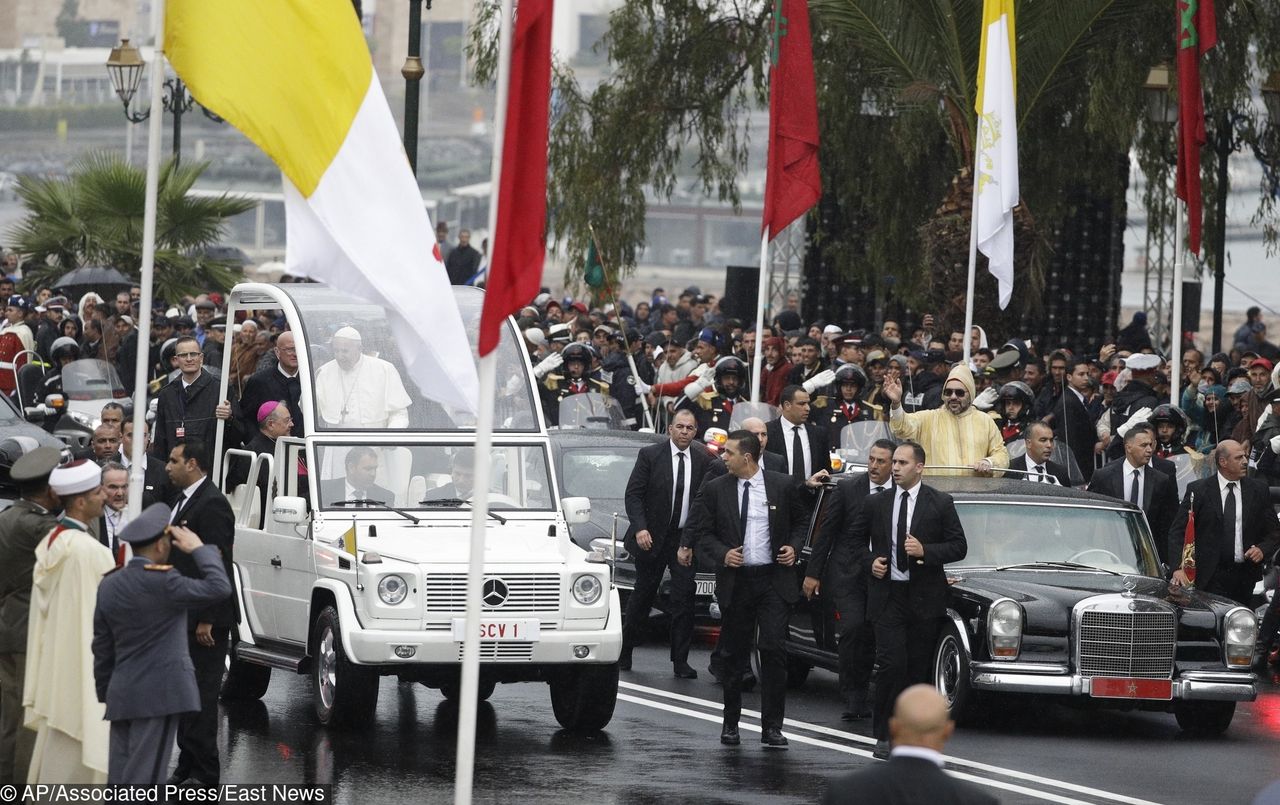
column 951, row 674
column 453, row 690
column 583, row 698
column 245, row 681
column 1205, row 718
column 344, row 694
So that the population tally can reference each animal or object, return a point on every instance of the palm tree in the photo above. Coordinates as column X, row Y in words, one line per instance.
column 923, row 56
column 94, row 217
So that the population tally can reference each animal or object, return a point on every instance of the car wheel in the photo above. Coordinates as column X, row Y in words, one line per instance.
column 583, row 698
column 344, row 694
column 951, row 673
column 1205, row 718
column 245, row 681
column 453, row 690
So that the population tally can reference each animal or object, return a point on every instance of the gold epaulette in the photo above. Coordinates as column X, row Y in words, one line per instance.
column 552, row 381
column 604, row 387
column 820, row 401
column 705, row 399
column 877, row 408
column 157, row 567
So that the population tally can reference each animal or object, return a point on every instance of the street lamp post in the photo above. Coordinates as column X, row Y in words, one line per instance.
column 125, row 66
column 413, row 71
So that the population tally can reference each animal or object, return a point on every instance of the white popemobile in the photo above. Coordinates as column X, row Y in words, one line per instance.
column 357, row 568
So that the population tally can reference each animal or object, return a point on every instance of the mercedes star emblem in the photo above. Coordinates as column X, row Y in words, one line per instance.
column 494, row 593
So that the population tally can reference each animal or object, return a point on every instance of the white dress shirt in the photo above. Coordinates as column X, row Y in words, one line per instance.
column 912, row 494
column 755, row 545
column 675, row 473
column 186, row 495
column 115, row 521
column 1237, row 528
column 788, row 437
column 1128, row 482
column 921, row 752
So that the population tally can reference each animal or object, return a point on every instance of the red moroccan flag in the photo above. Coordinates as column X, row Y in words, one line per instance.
column 791, row 186
column 1197, row 32
column 515, row 268
column 1189, row 543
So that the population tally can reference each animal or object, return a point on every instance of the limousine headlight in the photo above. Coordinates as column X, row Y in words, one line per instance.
column 1004, row 629
column 587, row 589
column 392, row 590
column 1239, row 632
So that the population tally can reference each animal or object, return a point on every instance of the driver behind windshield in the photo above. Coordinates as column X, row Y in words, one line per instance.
column 462, row 485
column 361, row 464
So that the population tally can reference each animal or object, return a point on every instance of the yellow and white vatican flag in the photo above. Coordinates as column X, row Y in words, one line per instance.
column 295, row 76
column 996, row 151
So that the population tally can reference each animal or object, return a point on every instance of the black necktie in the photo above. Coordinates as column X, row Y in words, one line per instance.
column 797, row 455
column 1134, row 498
column 746, row 497
column 875, row 489
column 1040, row 473
column 1229, row 521
column 900, row 549
column 677, row 504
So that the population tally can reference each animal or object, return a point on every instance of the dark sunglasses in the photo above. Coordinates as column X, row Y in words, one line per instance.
column 954, row 393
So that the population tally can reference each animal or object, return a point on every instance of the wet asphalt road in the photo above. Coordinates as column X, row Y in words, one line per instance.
column 662, row 746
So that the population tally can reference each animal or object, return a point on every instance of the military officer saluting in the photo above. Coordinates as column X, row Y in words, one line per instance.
column 713, row 408
column 576, row 378
column 141, row 667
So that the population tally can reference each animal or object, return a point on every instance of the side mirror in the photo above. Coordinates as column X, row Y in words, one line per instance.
column 289, row 510
column 55, row 401
column 576, row 510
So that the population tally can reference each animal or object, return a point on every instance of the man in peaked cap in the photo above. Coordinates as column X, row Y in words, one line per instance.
column 71, row 737
column 142, row 671
column 22, row 525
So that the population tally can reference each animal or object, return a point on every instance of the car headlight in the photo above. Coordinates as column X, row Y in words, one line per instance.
column 81, row 419
column 1004, row 629
column 587, row 589
column 392, row 590
column 1239, row 633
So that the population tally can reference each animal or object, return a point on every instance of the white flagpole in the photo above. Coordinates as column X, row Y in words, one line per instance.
column 136, row 471
column 762, row 291
column 1175, row 337
column 973, row 258
column 464, row 767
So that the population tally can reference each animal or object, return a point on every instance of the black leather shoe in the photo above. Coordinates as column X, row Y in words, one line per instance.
column 882, row 749
column 683, row 671
column 729, row 735
column 772, row 738
column 624, row 660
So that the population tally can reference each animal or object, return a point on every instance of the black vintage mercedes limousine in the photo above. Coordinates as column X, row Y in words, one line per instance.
column 1062, row 594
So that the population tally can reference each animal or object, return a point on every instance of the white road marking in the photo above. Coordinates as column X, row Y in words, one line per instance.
column 850, row 736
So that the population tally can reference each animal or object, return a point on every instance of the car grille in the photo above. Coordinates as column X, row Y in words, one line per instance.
column 494, row 650
column 527, row 592
column 1127, row 644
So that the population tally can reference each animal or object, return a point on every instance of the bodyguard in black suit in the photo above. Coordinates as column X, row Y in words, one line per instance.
column 914, row 773
column 199, row 505
column 1156, row 492
column 913, row 533
column 1073, row 425
column 660, row 492
column 361, row 466
column 833, row 572
column 806, row 449
column 1035, row 463
column 1235, row 527
column 752, row 524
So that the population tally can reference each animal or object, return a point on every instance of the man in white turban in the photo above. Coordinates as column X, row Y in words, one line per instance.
column 59, row 696
column 360, row 391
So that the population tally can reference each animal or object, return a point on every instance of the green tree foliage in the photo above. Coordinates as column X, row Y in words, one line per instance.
column 94, row 217
column 896, row 83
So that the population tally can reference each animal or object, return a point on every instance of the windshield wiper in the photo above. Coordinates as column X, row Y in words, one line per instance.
column 1071, row 565
column 375, row 504
column 457, row 503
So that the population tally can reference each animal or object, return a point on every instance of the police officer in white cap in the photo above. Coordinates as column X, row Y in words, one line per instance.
column 141, row 669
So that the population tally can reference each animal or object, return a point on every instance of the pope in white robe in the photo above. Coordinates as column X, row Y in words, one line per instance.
column 360, row 391
column 59, row 697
